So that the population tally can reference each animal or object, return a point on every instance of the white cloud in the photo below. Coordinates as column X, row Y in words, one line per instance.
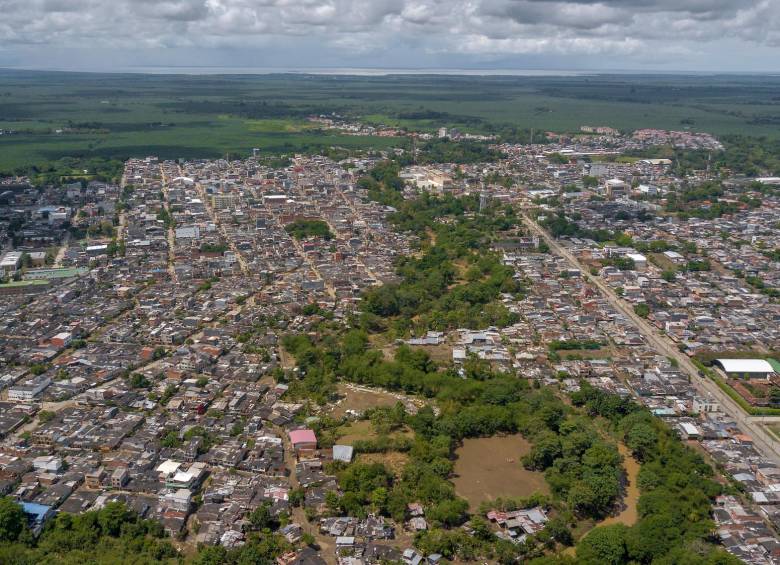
column 626, row 28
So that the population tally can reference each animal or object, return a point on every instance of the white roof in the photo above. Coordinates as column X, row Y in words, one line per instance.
column 168, row 467
column 745, row 365
column 690, row 429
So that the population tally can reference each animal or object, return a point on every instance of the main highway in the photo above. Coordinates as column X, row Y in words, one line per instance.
column 751, row 425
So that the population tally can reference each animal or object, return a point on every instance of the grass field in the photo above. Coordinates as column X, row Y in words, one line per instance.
column 124, row 115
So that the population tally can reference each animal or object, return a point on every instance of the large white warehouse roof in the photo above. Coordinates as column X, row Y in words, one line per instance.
column 745, row 365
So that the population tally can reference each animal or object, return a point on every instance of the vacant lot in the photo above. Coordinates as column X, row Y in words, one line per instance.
column 363, row 430
column 487, row 468
column 360, row 399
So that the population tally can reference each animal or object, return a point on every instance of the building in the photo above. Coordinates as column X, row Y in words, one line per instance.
column 188, row 232
column 342, row 453
column 119, row 477
column 11, row 262
column 615, row 188
column 94, row 479
column 640, row 261
column 62, row 339
column 97, row 250
column 37, row 515
column 704, row 405
column 224, row 201
column 303, row 440
column 746, row 368
column 28, row 390
column 47, row 463
column 674, row 257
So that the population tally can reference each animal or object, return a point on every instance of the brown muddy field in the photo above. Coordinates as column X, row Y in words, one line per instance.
column 488, row 468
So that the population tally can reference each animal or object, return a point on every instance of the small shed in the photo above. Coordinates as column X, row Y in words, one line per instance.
column 342, row 453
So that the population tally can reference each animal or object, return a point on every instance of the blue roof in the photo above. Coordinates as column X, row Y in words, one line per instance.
column 39, row 511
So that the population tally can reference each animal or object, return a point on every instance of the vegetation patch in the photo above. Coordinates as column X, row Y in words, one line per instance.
column 301, row 229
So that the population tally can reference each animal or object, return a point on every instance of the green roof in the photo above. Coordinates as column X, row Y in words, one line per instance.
column 775, row 364
column 57, row 273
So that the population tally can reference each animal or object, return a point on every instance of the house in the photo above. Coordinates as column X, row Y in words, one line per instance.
column 27, row 391
column 119, row 477
column 303, row 440
column 689, row 431
column 11, row 262
column 640, row 261
column 94, row 479
column 61, row 340
column 37, row 515
column 48, row 463
column 704, row 405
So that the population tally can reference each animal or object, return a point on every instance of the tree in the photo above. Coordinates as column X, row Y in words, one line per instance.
column 605, row 545
column 481, row 528
column 45, row 416
column 559, row 531
column 12, row 520
column 112, row 516
column 590, row 181
column 137, row 380
column 641, row 440
column 449, row 512
column 642, row 310
column 261, row 518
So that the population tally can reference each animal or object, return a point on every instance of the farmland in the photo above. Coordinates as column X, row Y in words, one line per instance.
column 87, row 115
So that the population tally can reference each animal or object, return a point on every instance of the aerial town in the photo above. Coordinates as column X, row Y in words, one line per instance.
column 148, row 331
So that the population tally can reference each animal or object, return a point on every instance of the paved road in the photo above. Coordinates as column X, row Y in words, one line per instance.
column 222, row 230
column 171, row 234
column 767, row 445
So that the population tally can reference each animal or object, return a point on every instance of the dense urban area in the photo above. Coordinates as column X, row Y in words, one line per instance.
column 457, row 348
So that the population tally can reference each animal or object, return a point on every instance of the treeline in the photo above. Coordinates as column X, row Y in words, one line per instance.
column 457, row 280
column 743, row 155
column 112, row 534
column 383, row 183
column 70, row 169
column 560, row 226
column 117, row 535
column 676, row 486
column 459, row 152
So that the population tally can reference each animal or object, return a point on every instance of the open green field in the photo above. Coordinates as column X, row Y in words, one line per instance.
column 123, row 115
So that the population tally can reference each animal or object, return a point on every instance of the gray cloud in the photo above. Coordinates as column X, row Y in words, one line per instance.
column 417, row 30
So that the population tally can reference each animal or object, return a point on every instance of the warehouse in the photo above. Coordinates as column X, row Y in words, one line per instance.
column 746, row 368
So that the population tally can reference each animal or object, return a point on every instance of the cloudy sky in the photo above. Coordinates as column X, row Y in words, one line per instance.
column 699, row 35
